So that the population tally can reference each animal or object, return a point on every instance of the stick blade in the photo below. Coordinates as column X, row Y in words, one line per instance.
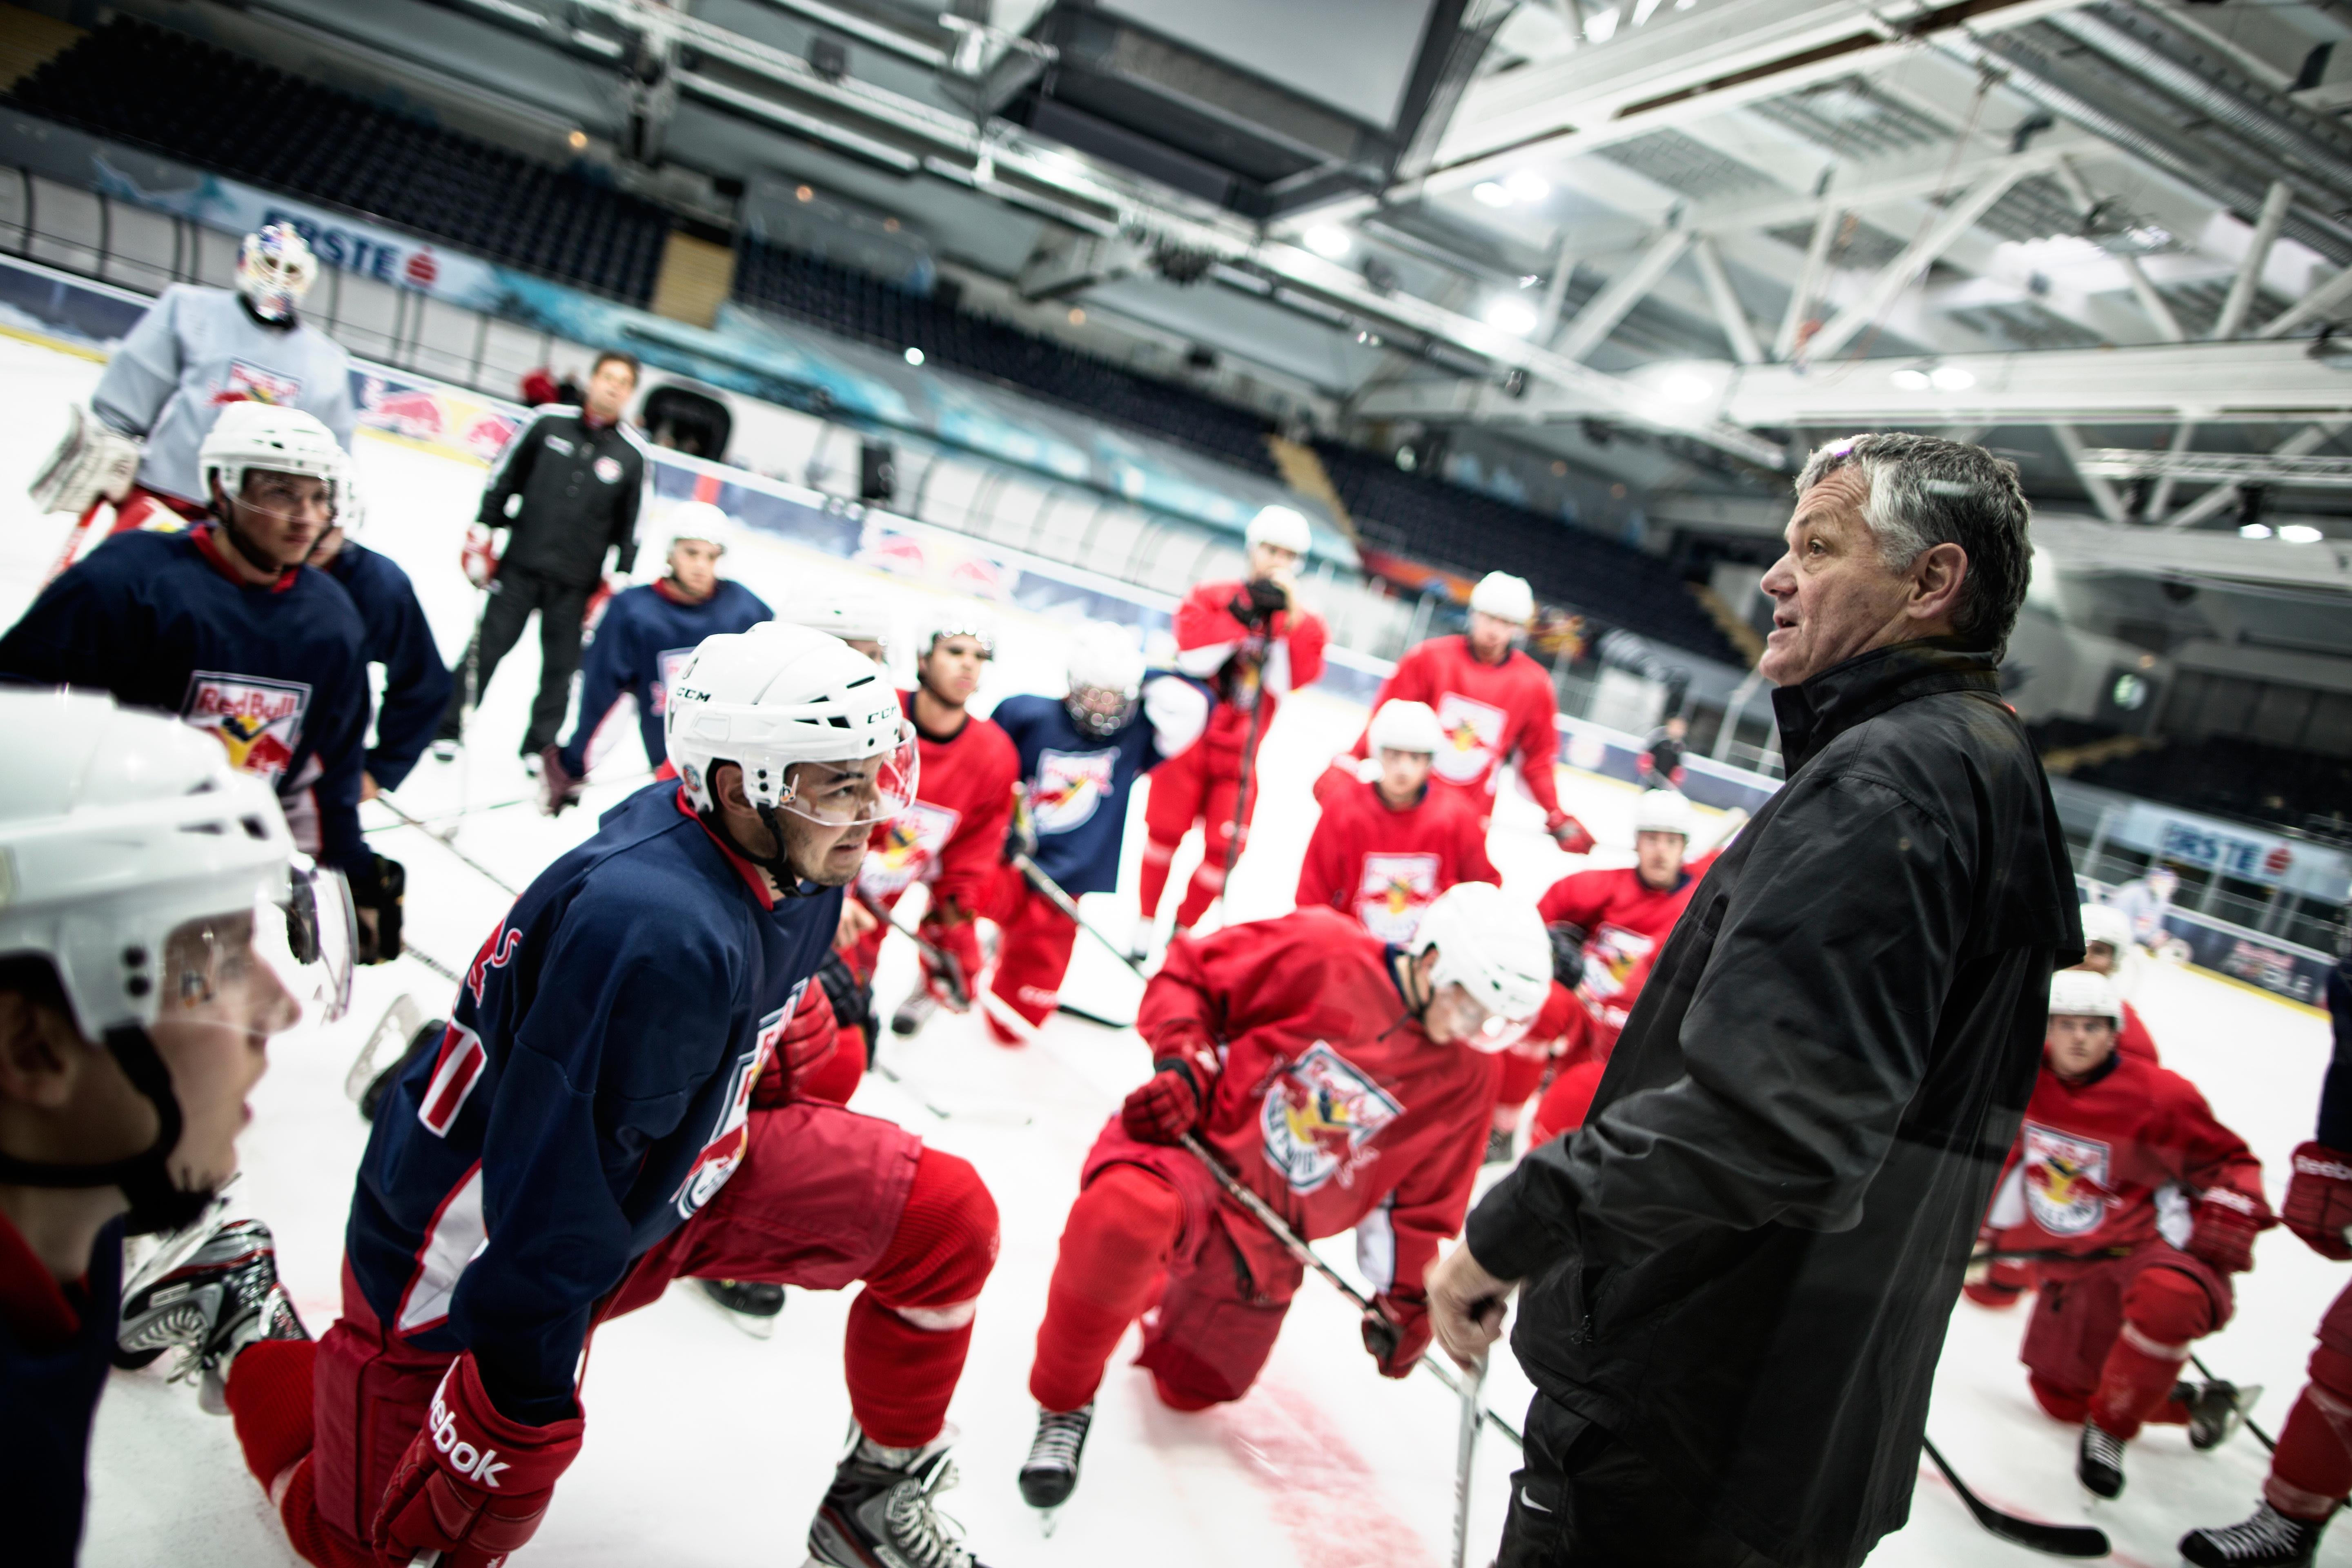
column 2050, row 1539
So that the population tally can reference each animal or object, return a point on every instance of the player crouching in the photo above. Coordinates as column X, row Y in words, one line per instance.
column 2126, row 1281
column 1347, row 1082
column 616, row 1104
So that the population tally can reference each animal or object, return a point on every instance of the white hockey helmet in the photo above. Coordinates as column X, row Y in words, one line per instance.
column 957, row 618
column 776, row 695
column 697, row 519
column 2085, row 993
column 2111, row 926
column 850, row 611
column 1505, row 597
column 1283, row 527
column 1106, row 670
column 1662, row 811
column 275, row 269
column 267, row 437
column 1494, row 947
column 1404, row 726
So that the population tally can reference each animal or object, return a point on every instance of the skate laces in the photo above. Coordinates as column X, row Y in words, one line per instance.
column 1059, row 1433
column 2267, row 1531
column 2101, row 1444
column 928, row 1538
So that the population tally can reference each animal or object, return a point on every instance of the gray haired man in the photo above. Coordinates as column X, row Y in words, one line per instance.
column 1736, row 1275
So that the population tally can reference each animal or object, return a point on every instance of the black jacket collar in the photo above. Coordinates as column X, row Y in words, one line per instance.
column 1814, row 714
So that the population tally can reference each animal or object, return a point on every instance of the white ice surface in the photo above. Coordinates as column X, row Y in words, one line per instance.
column 710, row 1449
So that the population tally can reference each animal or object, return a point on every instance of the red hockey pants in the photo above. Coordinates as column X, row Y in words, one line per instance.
column 2311, row 1471
column 1203, row 785
column 823, row 1197
column 1031, row 961
column 2107, row 1340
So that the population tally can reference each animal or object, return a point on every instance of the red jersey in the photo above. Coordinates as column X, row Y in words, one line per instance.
column 1625, row 922
column 953, row 835
column 2115, row 1161
column 2133, row 1039
column 1384, row 866
column 1491, row 713
column 1246, row 665
column 1324, row 1095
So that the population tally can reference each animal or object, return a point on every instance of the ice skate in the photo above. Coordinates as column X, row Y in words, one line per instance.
column 2099, row 1462
column 1138, row 942
column 914, row 1011
column 399, row 1023
column 2217, row 1411
column 1050, row 1474
column 749, row 1305
column 2268, row 1539
column 222, row 1298
column 880, row 1513
column 1498, row 1147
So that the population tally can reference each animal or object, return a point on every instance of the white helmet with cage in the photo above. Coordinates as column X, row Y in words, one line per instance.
column 1405, row 726
column 271, row 438
column 957, row 618
column 697, row 519
column 1106, row 670
column 850, row 611
column 2083, row 993
column 772, row 698
column 275, row 269
column 1494, row 947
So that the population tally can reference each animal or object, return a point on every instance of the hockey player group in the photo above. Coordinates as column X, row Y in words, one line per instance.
column 644, row 1074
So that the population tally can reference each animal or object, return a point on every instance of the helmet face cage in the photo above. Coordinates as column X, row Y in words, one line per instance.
column 275, row 269
column 1100, row 710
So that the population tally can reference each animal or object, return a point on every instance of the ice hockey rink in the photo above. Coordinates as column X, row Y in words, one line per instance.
column 709, row 1447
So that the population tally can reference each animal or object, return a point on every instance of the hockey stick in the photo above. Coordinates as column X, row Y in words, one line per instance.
column 1276, row 1226
column 383, row 798
column 2260, row 1436
column 2055, row 1540
column 1465, row 1451
column 950, row 968
column 1097, row 1019
column 1069, row 906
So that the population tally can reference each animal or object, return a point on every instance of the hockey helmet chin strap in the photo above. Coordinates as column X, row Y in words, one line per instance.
column 157, row 1202
column 778, row 865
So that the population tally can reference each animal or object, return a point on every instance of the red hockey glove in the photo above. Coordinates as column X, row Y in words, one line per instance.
column 804, row 1052
column 473, row 1485
column 959, row 941
column 2224, row 1223
column 1398, row 1343
column 1570, row 835
column 480, row 557
column 1167, row 1107
column 2319, row 1200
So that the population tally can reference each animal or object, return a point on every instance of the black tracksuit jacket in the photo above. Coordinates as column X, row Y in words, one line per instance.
column 581, row 489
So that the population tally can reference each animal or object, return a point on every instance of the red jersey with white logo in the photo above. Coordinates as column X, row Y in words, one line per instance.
column 1329, row 1101
column 953, row 835
column 1491, row 713
column 1384, row 866
column 1246, row 666
column 2133, row 1039
column 1625, row 922
column 2115, row 1161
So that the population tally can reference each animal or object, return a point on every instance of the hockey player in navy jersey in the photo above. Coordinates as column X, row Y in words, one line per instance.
column 395, row 635
column 647, row 635
column 615, row 1104
column 222, row 625
column 1080, row 756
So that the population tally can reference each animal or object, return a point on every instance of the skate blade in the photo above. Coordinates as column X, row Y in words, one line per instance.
column 400, row 1022
column 179, row 1246
column 751, row 1326
column 1047, row 1518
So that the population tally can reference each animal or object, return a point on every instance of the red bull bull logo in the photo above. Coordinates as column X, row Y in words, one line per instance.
column 908, row 849
column 259, row 723
column 1394, row 891
column 2066, row 1180
column 1474, row 734
column 414, row 412
column 1071, row 787
column 1320, row 1118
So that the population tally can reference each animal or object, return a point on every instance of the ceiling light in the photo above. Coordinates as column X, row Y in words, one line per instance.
column 1514, row 316
column 578, row 138
column 1077, row 316
column 2255, row 531
column 1492, row 194
column 1910, row 380
column 914, row 356
column 1527, row 185
column 1600, row 28
column 2301, row 533
column 1688, row 387
column 1329, row 241
column 1951, row 378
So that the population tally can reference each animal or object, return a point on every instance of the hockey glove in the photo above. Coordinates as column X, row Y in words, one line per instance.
column 2319, row 1200
column 478, row 556
column 559, row 786
column 93, row 463
column 1570, row 835
column 1167, row 1107
column 378, row 896
column 1567, row 952
column 473, row 1485
column 1397, row 1330
column 2223, row 1225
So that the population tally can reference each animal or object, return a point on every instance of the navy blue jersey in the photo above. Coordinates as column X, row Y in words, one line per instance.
column 48, row 1397
column 275, row 673
column 2335, row 1091
column 395, row 636
column 1079, row 782
column 648, row 634
column 589, row 1095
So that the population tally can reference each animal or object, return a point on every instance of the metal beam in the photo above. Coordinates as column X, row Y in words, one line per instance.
column 2102, row 494
column 1087, row 260
column 2159, row 499
column 1730, row 313
column 2267, row 224
column 2081, row 544
column 2310, row 438
column 1809, row 280
column 1905, row 269
column 1601, row 313
column 2317, row 304
column 2151, row 303
column 2219, row 468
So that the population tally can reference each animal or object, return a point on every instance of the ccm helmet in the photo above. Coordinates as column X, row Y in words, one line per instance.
column 850, row 611
column 697, row 519
column 2083, row 993
column 1405, row 726
column 275, row 439
column 1494, row 947
column 1505, row 597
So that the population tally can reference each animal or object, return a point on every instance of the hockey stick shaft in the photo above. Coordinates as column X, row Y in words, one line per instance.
column 1279, row 1228
column 2056, row 1539
column 408, row 818
column 2260, row 1436
column 1466, row 1454
column 1062, row 901
column 950, row 968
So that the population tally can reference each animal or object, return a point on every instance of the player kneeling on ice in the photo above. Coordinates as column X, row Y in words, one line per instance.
column 1344, row 1079
column 2137, row 1207
column 647, row 634
column 616, row 1105
column 159, row 930
column 1386, row 847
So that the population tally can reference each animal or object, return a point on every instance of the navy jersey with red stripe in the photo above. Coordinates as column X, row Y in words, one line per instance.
column 589, row 1096
column 647, row 634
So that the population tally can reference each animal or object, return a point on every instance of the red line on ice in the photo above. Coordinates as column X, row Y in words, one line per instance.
column 1327, row 1496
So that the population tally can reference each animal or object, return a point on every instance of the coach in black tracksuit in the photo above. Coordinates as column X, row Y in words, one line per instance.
column 580, row 475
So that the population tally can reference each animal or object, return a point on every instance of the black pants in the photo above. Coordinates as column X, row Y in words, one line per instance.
column 514, row 594
column 1584, row 1499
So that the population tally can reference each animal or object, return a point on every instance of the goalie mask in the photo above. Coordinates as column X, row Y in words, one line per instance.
column 275, row 269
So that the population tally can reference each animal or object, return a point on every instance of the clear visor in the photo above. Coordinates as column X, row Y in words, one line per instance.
column 260, row 972
column 858, row 794
column 1482, row 1030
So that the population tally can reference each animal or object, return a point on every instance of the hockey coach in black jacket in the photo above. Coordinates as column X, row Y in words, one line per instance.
column 1734, row 1278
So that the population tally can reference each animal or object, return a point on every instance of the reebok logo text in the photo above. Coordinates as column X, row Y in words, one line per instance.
column 480, row 1466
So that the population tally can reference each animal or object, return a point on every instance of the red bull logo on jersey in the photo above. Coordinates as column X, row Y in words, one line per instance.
column 1473, row 735
column 1320, row 1118
column 250, row 383
column 259, row 723
column 1612, row 954
column 2066, row 1180
column 907, row 850
column 1071, row 787
column 1395, row 890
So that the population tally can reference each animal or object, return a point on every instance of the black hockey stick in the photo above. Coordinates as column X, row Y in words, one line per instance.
column 1097, row 1019
column 950, row 968
column 2260, row 1436
column 1279, row 1228
column 1062, row 901
column 383, row 798
column 2055, row 1540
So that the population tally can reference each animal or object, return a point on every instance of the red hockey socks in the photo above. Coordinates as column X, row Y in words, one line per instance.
column 1031, row 963
column 1115, row 1248
column 910, row 1326
column 269, row 1395
column 1157, row 856
column 2311, row 1471
column 2164, row 1310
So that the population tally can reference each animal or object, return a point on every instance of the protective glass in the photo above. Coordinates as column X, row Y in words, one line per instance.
column 259, row 971
column 859, row 794
column 1482, row 1030
column 1099, row 710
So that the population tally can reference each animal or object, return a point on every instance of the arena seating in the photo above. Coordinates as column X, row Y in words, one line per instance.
column 852, row 304
column 1430, row 520
column 141, row 84
column 2227, row 775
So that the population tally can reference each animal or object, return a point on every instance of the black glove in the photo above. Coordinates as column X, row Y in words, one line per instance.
column 851, row 998
column 1261, row 599
column 1567, row 952
column 381, row 895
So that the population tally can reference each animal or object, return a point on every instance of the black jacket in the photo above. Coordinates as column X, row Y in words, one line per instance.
column 1743, row 1263
column 580, row 488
